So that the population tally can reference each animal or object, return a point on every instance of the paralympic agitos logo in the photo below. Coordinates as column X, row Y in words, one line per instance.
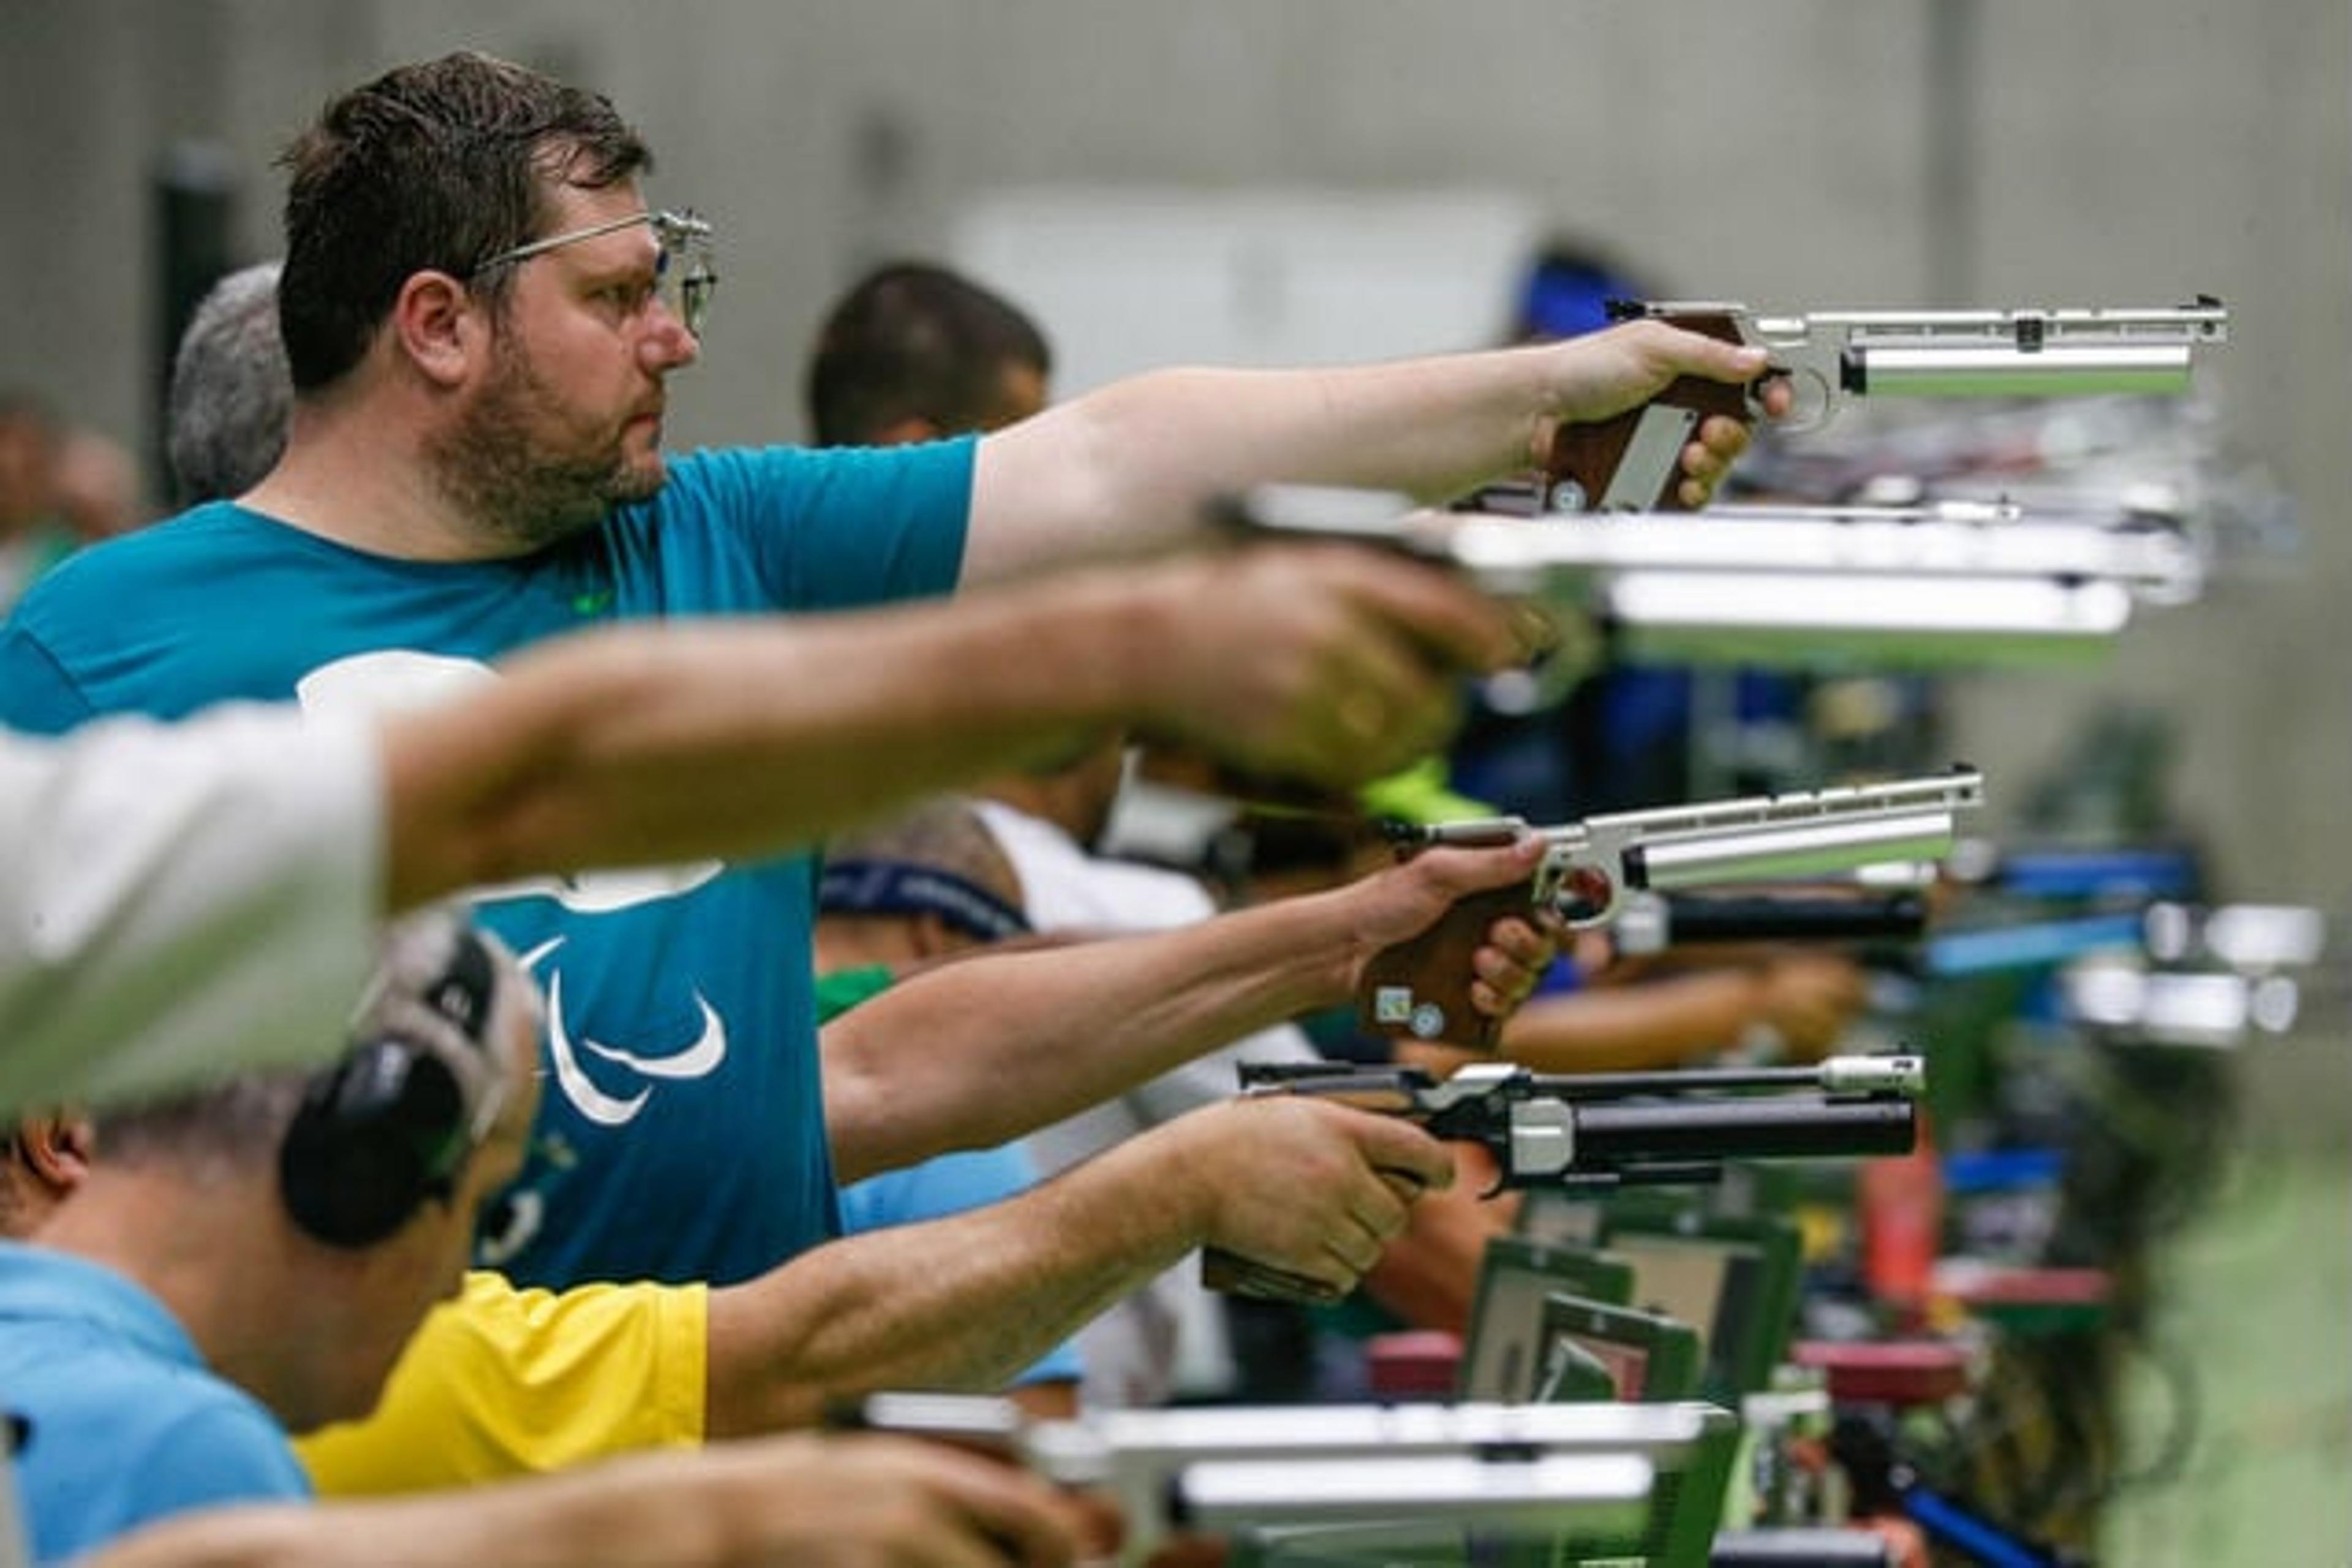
column 396, row 679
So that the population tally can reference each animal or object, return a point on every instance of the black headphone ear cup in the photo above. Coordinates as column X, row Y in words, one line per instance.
column 372, row 1140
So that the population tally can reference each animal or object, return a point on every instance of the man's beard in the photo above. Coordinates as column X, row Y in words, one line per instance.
column 494, row 464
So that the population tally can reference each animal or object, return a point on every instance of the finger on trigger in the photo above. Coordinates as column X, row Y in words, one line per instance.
column 1396, row 1148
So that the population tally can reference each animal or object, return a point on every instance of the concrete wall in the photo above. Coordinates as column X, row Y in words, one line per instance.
column 1809, row 152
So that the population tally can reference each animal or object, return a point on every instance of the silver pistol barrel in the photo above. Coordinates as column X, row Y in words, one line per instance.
column 2149, row 369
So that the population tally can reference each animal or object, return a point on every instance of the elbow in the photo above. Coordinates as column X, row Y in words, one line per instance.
column 789, row 1349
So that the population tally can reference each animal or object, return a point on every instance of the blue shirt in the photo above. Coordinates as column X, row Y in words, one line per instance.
column 125, row 1423
column 682, row 1134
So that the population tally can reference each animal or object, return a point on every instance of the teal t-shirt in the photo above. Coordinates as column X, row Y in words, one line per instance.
column 682, row 1133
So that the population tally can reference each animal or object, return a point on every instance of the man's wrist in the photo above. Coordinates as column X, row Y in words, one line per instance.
column 1170, row 1176
column 1322, row 945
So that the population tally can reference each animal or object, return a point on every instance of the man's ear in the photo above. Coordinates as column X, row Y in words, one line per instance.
column 58, row 1149
column 439, row 327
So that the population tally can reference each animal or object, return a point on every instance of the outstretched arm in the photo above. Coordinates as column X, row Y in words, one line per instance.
column 1680, row 1017
column 1131, row 465
column 248, row 846
column 978, row 1052
column 637, row 746
column 959, row 1303
column 802, row 1499
column 964, row 1302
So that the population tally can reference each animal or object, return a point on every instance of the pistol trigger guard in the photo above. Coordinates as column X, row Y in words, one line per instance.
column 1811, row 397
column 1582, row 893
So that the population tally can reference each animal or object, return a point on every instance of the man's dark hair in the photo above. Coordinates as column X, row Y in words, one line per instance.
column 440, row 166
column 911, row 341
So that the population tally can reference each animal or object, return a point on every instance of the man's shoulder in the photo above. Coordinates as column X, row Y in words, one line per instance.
column 109, row 1375
column 506, row 1380
column 160, row 553
column 493, row 1321
column 184, row 1404
column 201, row 563
column 171, row 1437
column 857, row 486
column 162, row 621
column 798, row 529
column 712, row 473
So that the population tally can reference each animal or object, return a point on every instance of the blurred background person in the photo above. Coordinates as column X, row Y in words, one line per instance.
column 33, row 537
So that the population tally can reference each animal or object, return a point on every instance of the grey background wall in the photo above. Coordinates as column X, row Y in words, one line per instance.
column 1805, row 151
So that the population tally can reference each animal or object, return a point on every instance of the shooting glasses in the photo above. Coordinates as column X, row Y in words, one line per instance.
column 684, row 279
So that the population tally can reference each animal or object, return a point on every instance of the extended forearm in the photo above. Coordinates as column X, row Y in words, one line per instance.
column 628, row 1512
column 629, row 747
column 1131, row 466
column 794, row 1500
column 980, row 1052
column 959, row 1304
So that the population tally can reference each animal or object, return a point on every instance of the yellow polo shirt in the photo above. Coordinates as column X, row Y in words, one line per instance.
column 502, row 1383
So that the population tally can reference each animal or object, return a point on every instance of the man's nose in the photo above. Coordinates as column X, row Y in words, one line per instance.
column 668, row 344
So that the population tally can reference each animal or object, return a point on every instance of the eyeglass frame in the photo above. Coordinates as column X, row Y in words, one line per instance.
column 677, row 233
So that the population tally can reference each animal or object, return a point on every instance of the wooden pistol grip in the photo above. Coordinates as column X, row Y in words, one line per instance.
column 1231, row 1274
column 1588, row 456
column 1419, row 989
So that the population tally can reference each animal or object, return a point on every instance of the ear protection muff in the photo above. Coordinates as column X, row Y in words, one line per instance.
column 390, row 1126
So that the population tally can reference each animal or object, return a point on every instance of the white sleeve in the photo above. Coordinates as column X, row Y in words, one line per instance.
column 181, row 901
